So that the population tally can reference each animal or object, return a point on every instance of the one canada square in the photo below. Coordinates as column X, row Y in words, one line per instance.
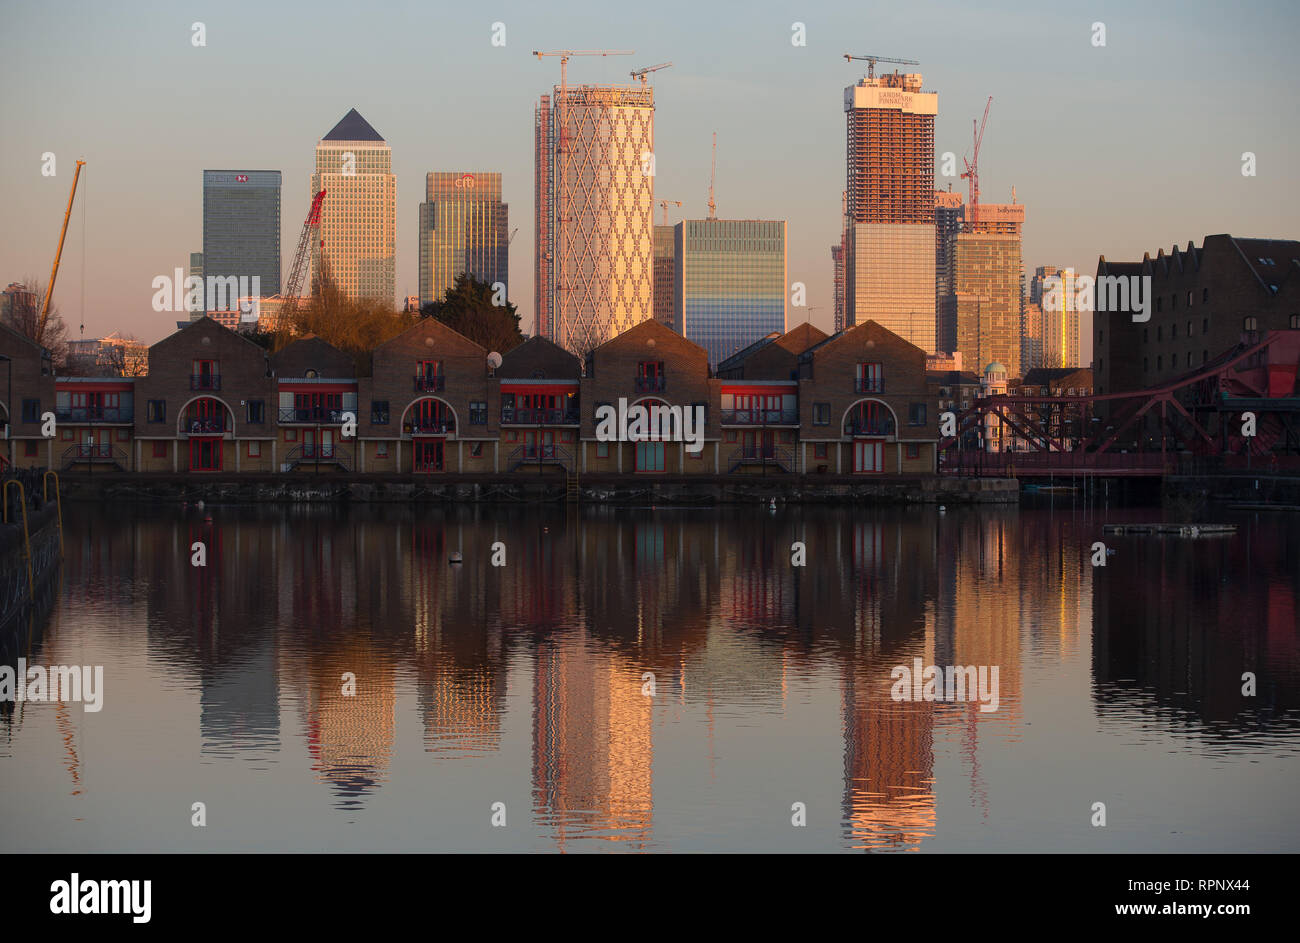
column 889, row 254
column 594, row 275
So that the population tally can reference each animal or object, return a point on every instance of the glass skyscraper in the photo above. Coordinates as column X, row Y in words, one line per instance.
column 729, row 287
column 464, row 227
column 241, row 227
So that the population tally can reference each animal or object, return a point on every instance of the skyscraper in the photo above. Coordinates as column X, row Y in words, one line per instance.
column 889, row 258
column 949, row 218
column 729, row 282
column 241, row 226
column 1060, row 330
column 595, row 202
column 354, row 168
column 665, row 249
column 464, row 227
column 986, row 287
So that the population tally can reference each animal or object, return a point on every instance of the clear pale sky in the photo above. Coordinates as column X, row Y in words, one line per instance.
column 1115, row 150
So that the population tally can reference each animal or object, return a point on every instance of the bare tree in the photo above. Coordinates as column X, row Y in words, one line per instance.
column 23, row 314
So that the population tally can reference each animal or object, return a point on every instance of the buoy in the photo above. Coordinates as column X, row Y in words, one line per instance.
column 455, row 556
column 772, row 505
column 942, row 509
column 199, row 504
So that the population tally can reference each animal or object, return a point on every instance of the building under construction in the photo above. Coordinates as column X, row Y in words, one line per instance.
column 595, row 213
column 890, row 251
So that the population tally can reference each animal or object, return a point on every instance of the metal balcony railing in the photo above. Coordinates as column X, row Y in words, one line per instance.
column 869, row 385
column 540, row 455
column 443, row 426
column 312, row 414
column 95, row 414
column 100, row 453
column 651, row 384
column 868, row 427
column 205, row 381
column 760, row 417
column 430, row 384
column 322, row 454
column 205, row 425
column 538, row 417
column 764, row 455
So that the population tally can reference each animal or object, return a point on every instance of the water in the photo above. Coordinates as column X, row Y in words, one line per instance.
column 524, row 684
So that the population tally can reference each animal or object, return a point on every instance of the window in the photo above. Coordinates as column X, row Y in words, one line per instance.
column 821, row 414
column 1160, row 364
column 256, row 410
column 476, row 448
column 1189, row 329
column 1145, row 335
column 1173, row 302
column 291, row 435
column 1146, row 365
column 160, row 450
column 602, row 450
column 156, row 410
column 1189, row 298
column 1295, row 322
column 1160, row 333
column 1101, row 363
column 31, row 410
column 124, row 435
column 870, row 378
column 381, row 450
column 916, row 414
column 478, row 414
column 912, row 451
column 1101, row 336
column 1205, row 355
column 1205, row 325
column 1173, row 332
column 66, row 435
column 1205, row 295
column 29, row 448
column 379, row 412
column 1159, row 302
column 254, row 449
column 1173, row 361
column 1247, row 324
column 820, row 449
column 730, row 435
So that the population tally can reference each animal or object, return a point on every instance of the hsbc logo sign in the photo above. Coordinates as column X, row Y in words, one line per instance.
column 465, row 182
column 241, row 178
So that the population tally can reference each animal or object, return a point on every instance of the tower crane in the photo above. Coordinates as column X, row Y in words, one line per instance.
column 872, row 60
column 58, row 254
column 713, row 207
column 972, row 166
column 310, row 226
column 665, row 204
column 642, row 73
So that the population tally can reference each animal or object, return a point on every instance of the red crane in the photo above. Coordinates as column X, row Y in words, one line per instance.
column 292, row 290
column 972, row 166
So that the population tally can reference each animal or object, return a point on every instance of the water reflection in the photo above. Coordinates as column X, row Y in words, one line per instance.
column 540, row 667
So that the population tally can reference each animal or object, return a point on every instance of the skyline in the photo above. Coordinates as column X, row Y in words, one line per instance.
column 1182, row 182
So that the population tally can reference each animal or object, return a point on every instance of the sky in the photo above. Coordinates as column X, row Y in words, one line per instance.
column 1115, row 150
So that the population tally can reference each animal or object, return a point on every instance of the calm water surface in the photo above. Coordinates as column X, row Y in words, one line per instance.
column 524, row 684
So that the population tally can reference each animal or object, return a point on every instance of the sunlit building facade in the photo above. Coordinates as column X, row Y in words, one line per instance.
column 595, row 202
column 241, row 227
column 354, row 166
column 464, row 228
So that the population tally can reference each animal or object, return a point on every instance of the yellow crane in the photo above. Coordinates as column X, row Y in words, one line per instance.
column 58, row 254
column 713, row 207
column 665, row 204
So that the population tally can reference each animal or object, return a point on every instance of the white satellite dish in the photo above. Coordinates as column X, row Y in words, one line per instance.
column 494, row 360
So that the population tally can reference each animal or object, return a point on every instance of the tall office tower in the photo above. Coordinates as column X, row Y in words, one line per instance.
column 949, row 220
column 241, row 229
column 354, row 166
column 890, row 254
column 1056, row 291
column 464, row 227
column 595, row 239
column 729, row 282
column 837, row 260
column 665, row 248
column 1031, row 344
column 986, row 293
column 543, row 217
column 195, row 309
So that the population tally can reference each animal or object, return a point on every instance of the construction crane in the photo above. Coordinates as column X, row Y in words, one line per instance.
column 872, row 60
column 972, row 166
column 562, row 139
column 310, row 226
column 58, row 254
column 513, row 233
column 713, row 207
column 665, row 203
column 642, row 73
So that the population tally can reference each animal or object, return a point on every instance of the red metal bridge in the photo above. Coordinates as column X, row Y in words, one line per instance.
column 1195, row 423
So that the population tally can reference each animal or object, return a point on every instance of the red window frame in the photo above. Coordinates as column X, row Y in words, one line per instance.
column 160, row 450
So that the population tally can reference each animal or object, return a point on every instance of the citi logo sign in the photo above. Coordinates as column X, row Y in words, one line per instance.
column 466, row 182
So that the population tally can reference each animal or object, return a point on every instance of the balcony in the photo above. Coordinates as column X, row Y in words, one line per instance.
column 760, row 417
column 95, row 414
column 651, row 384
column 869, row 385
column 443, row 426
column 328, row 454
column 313, row 414
column 205, row 381
column 855, row 427
column 99, row 453
column 763, row 456
column 430, row 384
column 204, row 425
column 538, row 417
column 540, row 455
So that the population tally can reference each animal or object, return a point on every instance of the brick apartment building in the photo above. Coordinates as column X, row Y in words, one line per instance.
column 540, row 385
column 26, row 378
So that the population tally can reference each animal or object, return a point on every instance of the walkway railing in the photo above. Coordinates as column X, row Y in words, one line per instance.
column 763, row 456
column 540, row 455
column 337, row 455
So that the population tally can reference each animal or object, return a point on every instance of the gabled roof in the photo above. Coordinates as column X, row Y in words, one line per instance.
column 539, row 353
column 353, row 127
column 739, row 356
